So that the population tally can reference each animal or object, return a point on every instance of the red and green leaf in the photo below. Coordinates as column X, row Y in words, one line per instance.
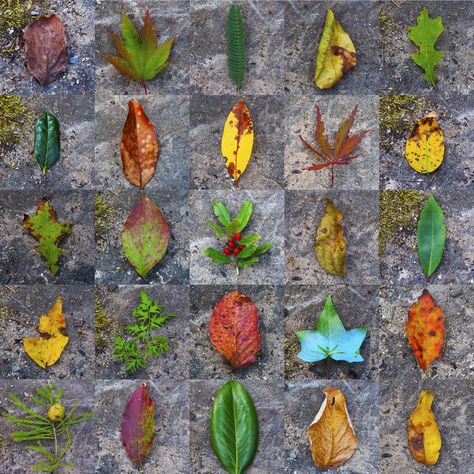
column 137, row 430
column 145, row 236
column 233, row 329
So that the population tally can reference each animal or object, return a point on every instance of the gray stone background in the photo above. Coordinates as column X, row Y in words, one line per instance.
column 188, row 104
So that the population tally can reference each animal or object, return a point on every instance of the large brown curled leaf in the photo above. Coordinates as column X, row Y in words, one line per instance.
column 331, row 435
column 233, row 329
column 46, row 49
column 139, row 146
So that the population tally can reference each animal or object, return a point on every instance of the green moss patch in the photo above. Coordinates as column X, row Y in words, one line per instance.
column 103, row 216
column 15, row 120
column 104, row 325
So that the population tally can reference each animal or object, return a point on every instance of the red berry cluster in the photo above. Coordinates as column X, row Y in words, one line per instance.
column 233, row 245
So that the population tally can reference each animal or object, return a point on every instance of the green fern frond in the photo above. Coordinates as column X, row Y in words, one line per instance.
column 236, row 51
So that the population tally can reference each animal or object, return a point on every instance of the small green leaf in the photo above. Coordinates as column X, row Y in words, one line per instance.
column 248, row 262
column 261, row 249
column 234, row 427
column 219, row 231
column 249, row 239
column 431, row 236
column 47, row 141
column 221, row 212
column 244, row 214
column 232, row 227
column 236, row 50
column 216, row 256
column 247, row 252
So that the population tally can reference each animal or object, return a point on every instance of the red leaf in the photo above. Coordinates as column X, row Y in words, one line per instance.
column 233, row 329
column 148, row 33
column 425, row 330
column 320, row 135
column 137, row 430
column 46, row 49
column 343, row 132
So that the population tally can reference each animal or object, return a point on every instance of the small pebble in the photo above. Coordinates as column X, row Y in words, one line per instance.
column 73, row 59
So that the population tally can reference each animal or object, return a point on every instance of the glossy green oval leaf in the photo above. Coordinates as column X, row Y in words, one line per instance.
column 47, row 141
column 234, row 427
column 431, row 236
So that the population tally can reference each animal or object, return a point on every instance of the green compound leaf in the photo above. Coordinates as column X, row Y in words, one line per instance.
column 331, row 339
column 47, row 141
column 424, row 35
column 431, row 236
column 44, row 227
column 234, row 427
column 236, row 52
column 145, row 236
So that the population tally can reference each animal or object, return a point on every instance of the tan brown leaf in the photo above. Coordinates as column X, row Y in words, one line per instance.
column 46, row 49
column 139, row 146
column 331, row 435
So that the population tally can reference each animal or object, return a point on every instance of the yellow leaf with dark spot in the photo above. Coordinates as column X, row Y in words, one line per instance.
column 424, row 149
column 330, row 243
column 336, row 53
column 237, row 140
column 46, row 352
column 424, row 438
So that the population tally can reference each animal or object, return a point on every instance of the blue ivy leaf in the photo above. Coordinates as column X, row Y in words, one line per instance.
column 331, row 338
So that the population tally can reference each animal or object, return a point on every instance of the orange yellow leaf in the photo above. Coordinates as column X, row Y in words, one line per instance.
column 425, row 330
column 47, row 351
column 331, row 434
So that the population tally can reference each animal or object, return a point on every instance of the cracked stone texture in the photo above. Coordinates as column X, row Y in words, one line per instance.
column 16, row 459
column 78, row 19
column 19, row 169
column 267, row 220
column 457, row 170
column 263, row 26
column 170, row 117
column 398, row 359
column 453, row 410
column 23, row 308
column 113, row 268
column 265, row 168
column 454, row 71
column 207, row 363
column 304, row 24
column 400, row 264
column 119, row 302
column 21, row 264
column 361, row 173
column 356, row 306
column 170, row 18
column 170, row 451
column 304, row 211
column 302, row 402
column 268, row 398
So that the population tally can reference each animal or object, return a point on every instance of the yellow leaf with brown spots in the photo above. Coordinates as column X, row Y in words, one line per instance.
column 424, row 438
column 47, row 351
column 424, row 149
column 139, row 146
column 331, row 434
column 330, row 243
column 237, row 140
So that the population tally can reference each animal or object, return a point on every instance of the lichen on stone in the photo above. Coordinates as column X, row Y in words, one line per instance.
column 103, row 217
column 291, row 350
column 386, row 27
column 399, row 212
column 104, row 325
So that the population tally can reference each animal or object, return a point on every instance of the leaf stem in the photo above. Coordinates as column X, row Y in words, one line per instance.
column 145, row 87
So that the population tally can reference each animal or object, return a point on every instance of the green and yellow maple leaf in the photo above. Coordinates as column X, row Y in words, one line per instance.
column 140, row 57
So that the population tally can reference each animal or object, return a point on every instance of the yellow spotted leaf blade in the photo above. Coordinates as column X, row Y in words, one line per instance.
column 330, row 243
column 331, row 434
column 424, row 149
column 47, row 351
column 237, row 140
column 424, row 438
column 336, row 53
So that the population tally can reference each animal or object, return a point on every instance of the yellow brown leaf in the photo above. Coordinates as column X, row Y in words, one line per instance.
column 330, row 243
column 237, row 140
column 139, row 146
column 47, row 351
column 424, row 149
column 424, row 438
column 331, row 434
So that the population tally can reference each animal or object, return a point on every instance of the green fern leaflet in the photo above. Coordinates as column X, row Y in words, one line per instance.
column 236, row 53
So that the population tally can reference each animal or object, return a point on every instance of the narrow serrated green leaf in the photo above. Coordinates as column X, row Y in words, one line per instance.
column 46, row 149
column 221, row 212
column 244, row 215
column 216, row 256
column 236, row 50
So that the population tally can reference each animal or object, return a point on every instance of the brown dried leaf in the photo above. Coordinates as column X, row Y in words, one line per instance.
column 46, row 49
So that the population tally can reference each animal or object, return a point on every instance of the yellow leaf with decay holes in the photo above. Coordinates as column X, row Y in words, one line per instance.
column 46, row 352
column 424, row 149
column 237, row 140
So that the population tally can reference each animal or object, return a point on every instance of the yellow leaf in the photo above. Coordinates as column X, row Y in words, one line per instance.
column 331, row 434
column 237, row 140
column 336, row 53
column 46, row 352
column 424, row 438
column 424, row 149
column 330, row 244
